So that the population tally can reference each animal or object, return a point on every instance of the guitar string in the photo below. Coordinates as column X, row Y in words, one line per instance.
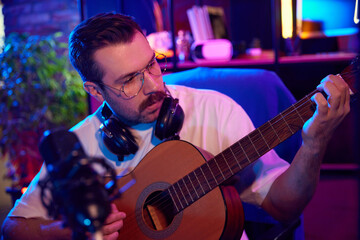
column 353, row 72
column 159, row 202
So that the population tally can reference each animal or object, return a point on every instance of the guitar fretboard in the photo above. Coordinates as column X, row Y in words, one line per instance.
column 251, row 147
column 242, row 153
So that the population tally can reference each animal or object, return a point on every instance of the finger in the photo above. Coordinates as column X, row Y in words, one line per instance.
column 115, row 216
column 112, row 236
column 335, row 97
column 343, row 87
column 346, row 91
column 321, row 104
column 338, row 80
column 113, row 227
column 114, row 208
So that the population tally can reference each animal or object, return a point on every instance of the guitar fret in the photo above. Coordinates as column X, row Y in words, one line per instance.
column 231, row 164
column 298, row 114
column 219, row 168
column 197, row 195
column 205, row 178
column 227, row 163
column 244, row 152
column 192, row 200
column 281, row 127
column 245, row 162
column 272, row 127
column 286, row 124
column 249, row 148
column 303, row 104
column 264, row 140
column 253, row 145
column 199, row 182
column 294, row 116
column 305, row 107
column 271, row 138
column 172, row 197
column 182, row 193
column 211, row 174
column 175, row 192
column 236, row 159
column 259, row 141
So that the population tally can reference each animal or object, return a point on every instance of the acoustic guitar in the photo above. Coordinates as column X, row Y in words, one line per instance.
column 175, row 193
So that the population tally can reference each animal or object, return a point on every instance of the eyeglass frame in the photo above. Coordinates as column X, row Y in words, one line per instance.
column 147, row 68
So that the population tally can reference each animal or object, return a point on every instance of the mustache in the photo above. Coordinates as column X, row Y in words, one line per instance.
column 153, row 98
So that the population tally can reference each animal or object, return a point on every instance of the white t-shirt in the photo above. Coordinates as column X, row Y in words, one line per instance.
column 212, row 122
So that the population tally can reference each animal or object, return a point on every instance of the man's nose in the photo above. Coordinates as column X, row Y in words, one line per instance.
column 152, row 83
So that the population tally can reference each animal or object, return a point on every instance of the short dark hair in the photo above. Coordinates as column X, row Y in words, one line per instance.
column 94, row 33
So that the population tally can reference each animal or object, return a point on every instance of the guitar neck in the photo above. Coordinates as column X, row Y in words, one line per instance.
column 241, row 154
column 245, row 151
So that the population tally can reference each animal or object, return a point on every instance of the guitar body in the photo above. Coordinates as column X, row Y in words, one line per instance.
column 206, row 218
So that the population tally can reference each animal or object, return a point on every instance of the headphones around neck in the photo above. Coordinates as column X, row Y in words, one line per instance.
column 118, row 138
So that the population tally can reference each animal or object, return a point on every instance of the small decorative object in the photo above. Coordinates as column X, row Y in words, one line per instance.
column 183, row 42
column 255, row 49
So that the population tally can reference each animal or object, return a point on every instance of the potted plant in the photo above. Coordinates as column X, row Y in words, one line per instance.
column 39, row 91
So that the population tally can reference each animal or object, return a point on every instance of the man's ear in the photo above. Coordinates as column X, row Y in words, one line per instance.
column 94, row 90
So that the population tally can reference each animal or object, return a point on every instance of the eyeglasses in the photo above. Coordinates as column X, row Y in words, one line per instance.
column 132, row 86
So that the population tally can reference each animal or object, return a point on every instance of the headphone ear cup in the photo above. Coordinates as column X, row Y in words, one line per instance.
column 117, row 138
column 170, row 119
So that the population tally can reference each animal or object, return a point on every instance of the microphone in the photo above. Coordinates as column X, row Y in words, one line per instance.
column 75, row 183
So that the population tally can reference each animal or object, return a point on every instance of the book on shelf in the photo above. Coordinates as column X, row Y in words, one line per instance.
column 193, row 24
column 216, row 17
column 207, row 22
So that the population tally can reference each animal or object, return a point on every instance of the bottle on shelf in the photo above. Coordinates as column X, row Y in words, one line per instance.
column 183, row 42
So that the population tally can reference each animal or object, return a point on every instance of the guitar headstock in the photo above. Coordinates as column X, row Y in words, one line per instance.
column 351, row 75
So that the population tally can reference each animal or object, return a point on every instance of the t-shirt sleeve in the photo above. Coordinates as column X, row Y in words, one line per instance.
column 30, row 204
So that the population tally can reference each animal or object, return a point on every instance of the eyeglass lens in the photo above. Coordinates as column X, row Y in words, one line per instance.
column 132, row 87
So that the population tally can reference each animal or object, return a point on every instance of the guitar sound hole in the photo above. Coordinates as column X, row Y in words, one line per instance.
column 158, row 211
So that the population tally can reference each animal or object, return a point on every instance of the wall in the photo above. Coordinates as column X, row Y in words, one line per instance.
column 40, row 17
column 334, row 212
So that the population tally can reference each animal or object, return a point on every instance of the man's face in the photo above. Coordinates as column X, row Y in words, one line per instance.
column 118, row 63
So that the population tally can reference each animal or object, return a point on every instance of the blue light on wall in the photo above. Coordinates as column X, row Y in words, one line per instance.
column 336, row 16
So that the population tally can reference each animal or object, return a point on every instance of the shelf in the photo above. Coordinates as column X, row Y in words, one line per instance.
column 318, row 58
column 231, row 63
column 267, row 58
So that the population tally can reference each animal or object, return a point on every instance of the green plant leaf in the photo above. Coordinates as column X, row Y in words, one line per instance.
column 39, row 90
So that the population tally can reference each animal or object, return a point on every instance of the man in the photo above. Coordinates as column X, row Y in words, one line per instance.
column 118, row 66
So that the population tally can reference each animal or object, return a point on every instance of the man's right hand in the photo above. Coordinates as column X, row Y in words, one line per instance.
column 113, row 223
